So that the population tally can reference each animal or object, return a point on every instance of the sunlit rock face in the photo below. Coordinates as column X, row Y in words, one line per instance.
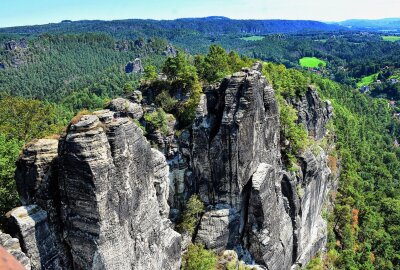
column 96, row 199
column 253, row 203
column 100, row 196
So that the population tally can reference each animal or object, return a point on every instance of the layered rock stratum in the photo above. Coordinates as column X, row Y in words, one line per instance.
column 100, row 196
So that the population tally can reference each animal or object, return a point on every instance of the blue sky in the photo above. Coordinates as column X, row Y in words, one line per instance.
column 28, row 12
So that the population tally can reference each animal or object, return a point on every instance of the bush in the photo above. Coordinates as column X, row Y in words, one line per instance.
column 296, row 134
column 150, row 73
column 192, row 214
column 198, row 258
column 167, row 102
column 9, row 151
column 158, row 120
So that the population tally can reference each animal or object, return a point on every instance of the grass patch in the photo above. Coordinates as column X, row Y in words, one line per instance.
column 311, row 62
column 391, row 38
column 367, row 80
column 252, row 38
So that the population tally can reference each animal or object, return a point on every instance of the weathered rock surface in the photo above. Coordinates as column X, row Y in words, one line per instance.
column 134, row 66
column 12, row 245
column 113, row 191
column 236, row 162
column 313, row 113
column 38, row 241
column 126, row 107
column 100, row 197
column 97, row 199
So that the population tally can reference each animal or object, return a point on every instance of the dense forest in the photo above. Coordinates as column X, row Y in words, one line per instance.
column 47, row 78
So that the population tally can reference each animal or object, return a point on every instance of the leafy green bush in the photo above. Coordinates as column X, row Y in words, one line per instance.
column 167, row 102
column 198, row 258
column 9, row 151
column 192, row 214
column 150, row 73
column 286, row 82
column 295, row 133
column 158, row 120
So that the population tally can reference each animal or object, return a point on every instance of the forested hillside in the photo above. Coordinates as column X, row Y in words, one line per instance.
column 364, row 227
column 49, row 77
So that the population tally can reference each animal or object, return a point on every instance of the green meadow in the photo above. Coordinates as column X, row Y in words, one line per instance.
column 311, row 62
column 367, row 80
column 252, row 38
column 391, row 38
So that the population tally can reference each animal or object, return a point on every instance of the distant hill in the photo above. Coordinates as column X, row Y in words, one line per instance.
column 388, row 24
column 210, row 25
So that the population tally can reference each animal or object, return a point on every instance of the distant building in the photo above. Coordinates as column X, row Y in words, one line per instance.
column 392, row 103
column 394, row 81
column 378, row 81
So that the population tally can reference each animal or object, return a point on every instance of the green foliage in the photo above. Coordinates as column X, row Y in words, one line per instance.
column 183, row 76
column 315, row 264
column 150, row 73
column 26, row 119
column 296, row 134
column 84, row 100
column 218, row 63
column 253, row 38
column 286, row 82
column 22, row 120
column 367, row 205
column 158, row 120
column 391, row 38
column 311, row 62
column 167, row 102
column 198, row 258
column 363, row 231
column 9, row 151
column 192, row 214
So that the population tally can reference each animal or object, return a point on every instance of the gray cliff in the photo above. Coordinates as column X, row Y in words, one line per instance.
column 95, row 199
column 254, row 203
column 100, row 196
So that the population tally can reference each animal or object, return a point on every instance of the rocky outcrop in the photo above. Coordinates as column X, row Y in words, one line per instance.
column 38, row 239
column 238, row 172
column 96, row 199
column 12, row 245
column 126, row 108
column 134, row 66
column 100, row 197
column 13, row 45
column 170, row 51
column 113, row 189
column 313, row 113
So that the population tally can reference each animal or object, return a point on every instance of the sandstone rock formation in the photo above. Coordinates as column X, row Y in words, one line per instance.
column 98, row 202
column 238, row 171
column 100, row 197
column 12, row 245
column 134, row 66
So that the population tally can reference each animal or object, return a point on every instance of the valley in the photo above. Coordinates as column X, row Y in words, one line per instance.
column 200, row 143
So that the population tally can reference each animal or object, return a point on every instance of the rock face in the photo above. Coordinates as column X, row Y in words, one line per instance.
column 313, row 113
column 113, row 190
column 134, row 66
column 126, row 107
column 97, row 199
column 237, row 170
column 100, row 197
column 12, row 245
